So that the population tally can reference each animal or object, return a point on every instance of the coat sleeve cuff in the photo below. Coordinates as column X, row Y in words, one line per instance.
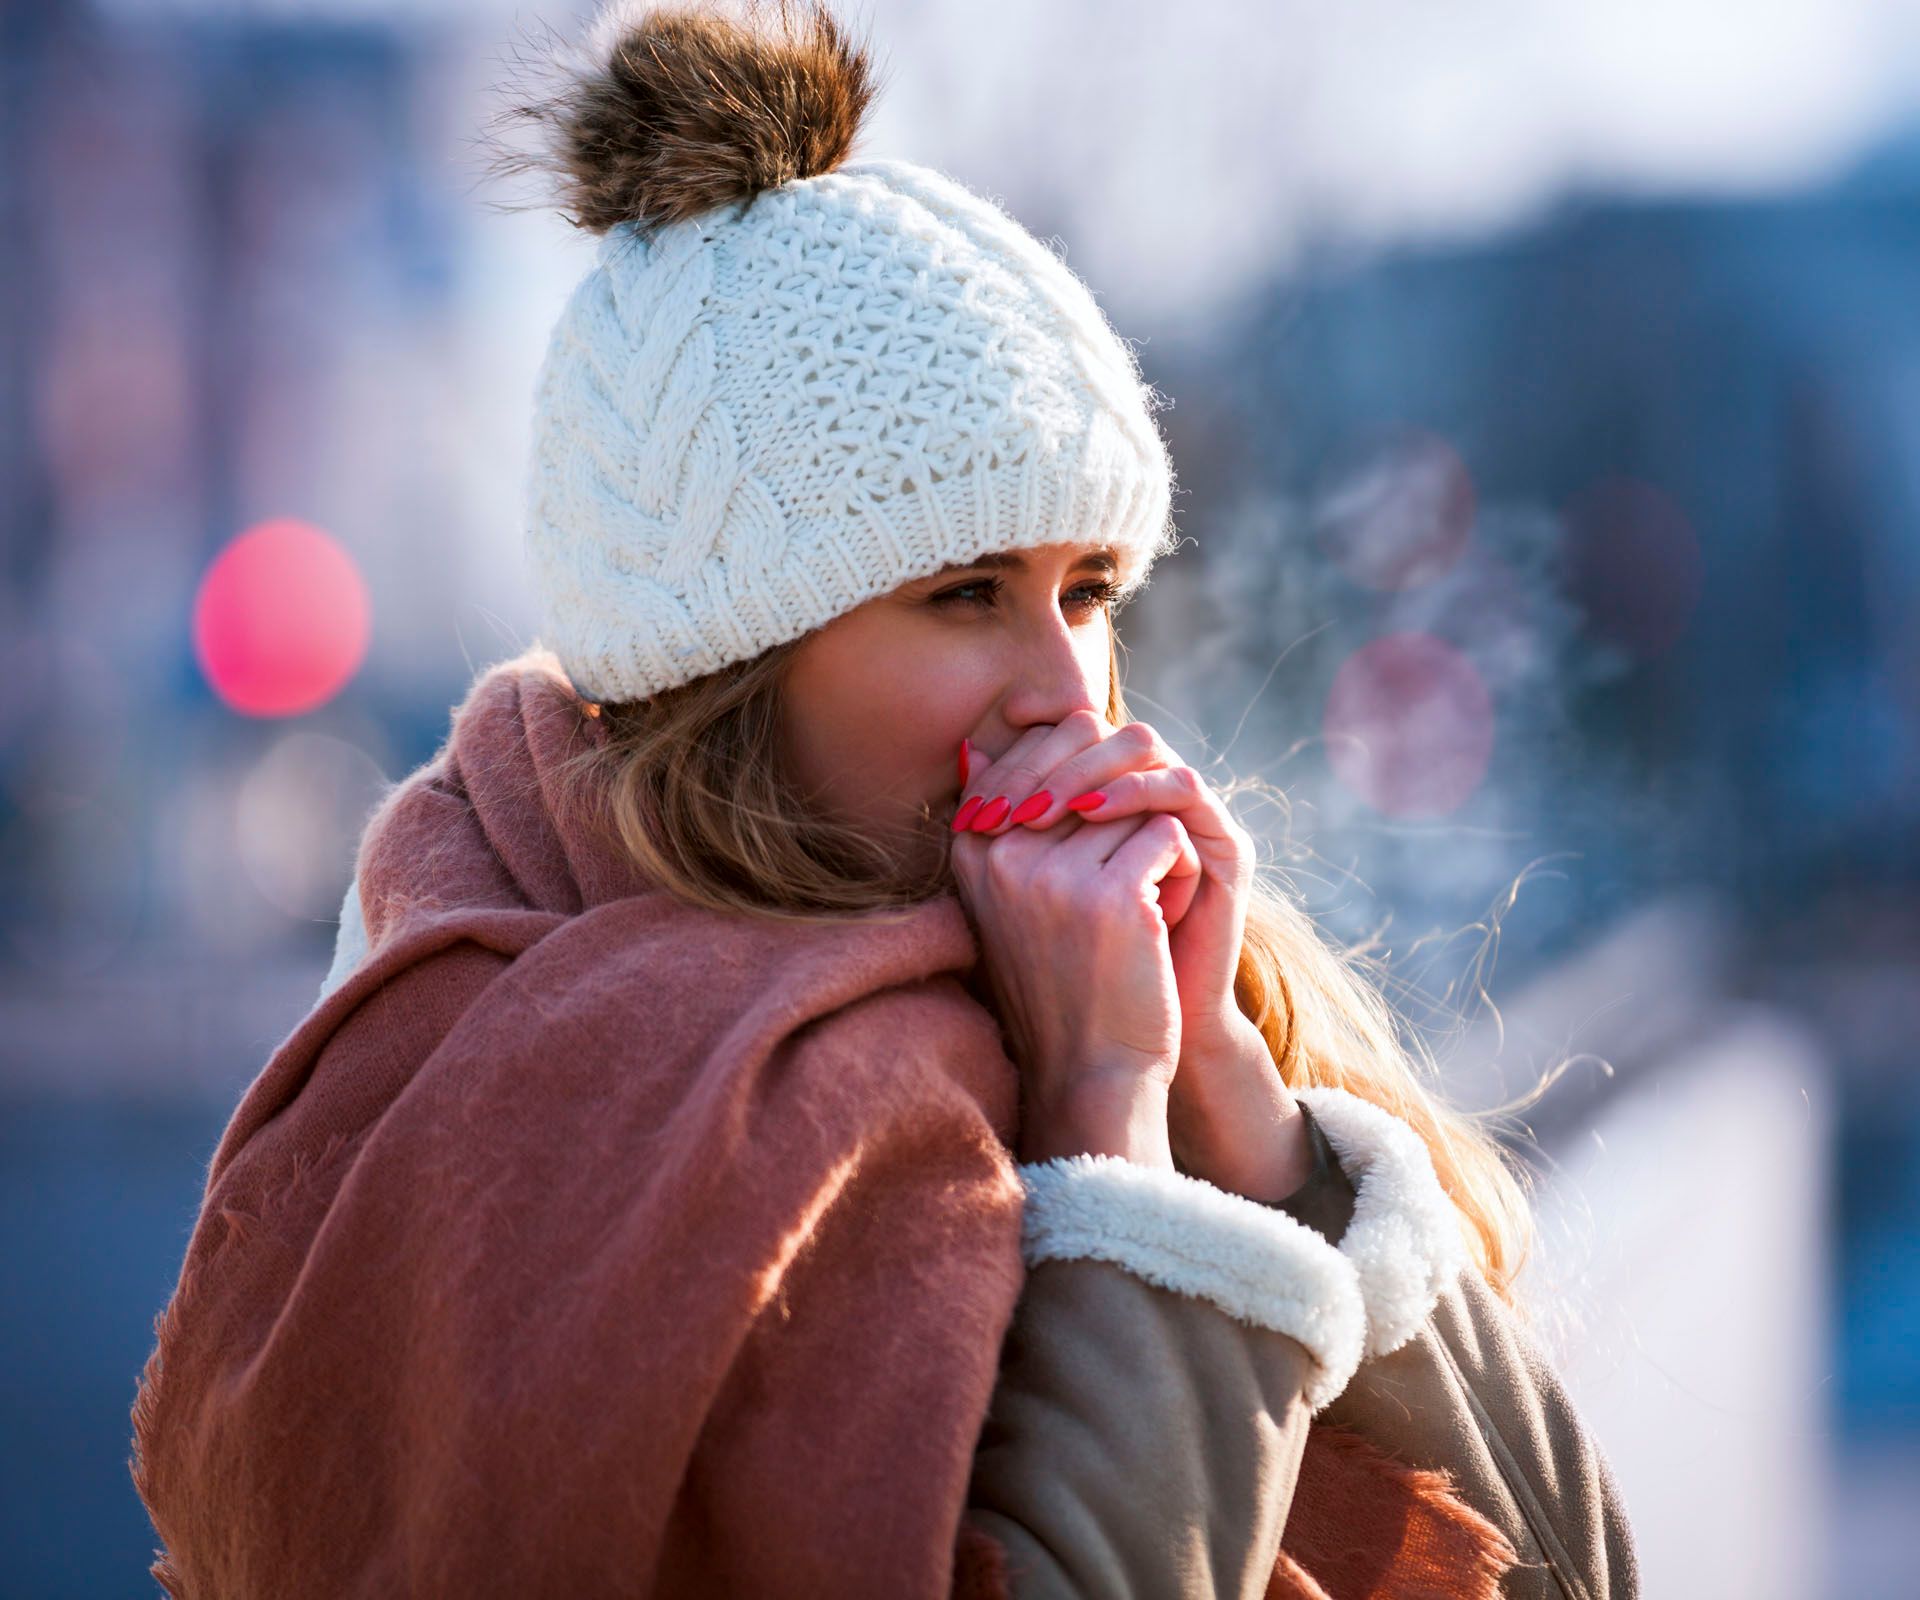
column 1184, row 1234
column 1404, row 1240
column 1325, row 1201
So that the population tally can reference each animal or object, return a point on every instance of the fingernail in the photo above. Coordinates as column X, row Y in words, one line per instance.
column 963, row 763
column 1031, row 807
column 1088, row 801
column 990, row 814
column 965, row 814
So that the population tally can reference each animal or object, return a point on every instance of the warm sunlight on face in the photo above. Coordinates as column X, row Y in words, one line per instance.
column 878, row 700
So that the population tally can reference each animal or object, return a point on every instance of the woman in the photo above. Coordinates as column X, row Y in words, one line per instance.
column 813, row 1098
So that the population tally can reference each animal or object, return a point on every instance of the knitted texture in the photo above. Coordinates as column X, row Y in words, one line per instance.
column 751, row 421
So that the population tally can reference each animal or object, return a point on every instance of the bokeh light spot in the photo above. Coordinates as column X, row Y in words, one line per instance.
column 1396, row 512
column 299, row 819
column 1409, row 726
column 282, row 620
column 1633, row 563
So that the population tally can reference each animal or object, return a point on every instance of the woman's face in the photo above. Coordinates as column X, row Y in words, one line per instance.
column 877, row 701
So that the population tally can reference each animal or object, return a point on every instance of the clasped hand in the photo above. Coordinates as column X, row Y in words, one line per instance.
column 1111, row 930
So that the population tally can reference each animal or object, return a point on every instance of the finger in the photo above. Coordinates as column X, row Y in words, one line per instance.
column 1154, row 851
column 1076, row 846
column 1134, row 746
column 1015, row 774
column 1177, row 895
column 1180, row 790
column 974, row 792
column 1086, row 847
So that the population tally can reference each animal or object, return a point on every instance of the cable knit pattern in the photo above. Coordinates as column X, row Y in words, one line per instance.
column 752, row 421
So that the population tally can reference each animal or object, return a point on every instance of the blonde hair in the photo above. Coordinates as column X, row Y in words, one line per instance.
column 691, row 782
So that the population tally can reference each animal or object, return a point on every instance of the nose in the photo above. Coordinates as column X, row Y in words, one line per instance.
column 1055, row 670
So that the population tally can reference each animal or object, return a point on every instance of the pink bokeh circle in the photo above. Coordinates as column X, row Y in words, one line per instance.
column 282, row 620
column 1408, row 726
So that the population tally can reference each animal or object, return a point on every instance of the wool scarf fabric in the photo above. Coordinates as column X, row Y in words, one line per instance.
column 586, row 1241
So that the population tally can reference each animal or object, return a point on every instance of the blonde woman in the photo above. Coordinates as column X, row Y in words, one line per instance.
column 813, row 1098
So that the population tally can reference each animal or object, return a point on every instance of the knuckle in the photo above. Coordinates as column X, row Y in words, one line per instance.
column 1082, row 723
column 1138, row 736
column 1020, row 781
column 1000, row 869
column 1161, row 829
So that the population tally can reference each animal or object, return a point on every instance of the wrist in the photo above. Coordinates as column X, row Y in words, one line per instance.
column 1231, row 1033
column 1233, row 1121
column 1123, row 1115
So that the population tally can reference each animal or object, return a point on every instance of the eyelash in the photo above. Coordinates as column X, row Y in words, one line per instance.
column 1102, row 594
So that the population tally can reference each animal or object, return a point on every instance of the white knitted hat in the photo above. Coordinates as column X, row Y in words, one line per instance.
column 791, row 383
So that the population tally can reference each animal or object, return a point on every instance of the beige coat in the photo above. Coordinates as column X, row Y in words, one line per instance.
column 1146, row 1443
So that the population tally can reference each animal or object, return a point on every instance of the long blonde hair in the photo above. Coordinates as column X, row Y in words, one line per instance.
column 691, row 782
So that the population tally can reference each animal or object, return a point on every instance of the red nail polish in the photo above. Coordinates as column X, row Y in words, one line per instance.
column 1088, row 801
column 965, row 814
column 1032, row 806
column 990, row 814
column 963, row 763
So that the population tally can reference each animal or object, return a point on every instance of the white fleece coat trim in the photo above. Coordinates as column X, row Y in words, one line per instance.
column 1404, row 1240
column 1182, row 1233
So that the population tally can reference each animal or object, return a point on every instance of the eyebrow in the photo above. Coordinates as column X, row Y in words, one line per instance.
column 1103, row 559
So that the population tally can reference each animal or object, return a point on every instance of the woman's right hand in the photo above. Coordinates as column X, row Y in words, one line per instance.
column 1076, row 956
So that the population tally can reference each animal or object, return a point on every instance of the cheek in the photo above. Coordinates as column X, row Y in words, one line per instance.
column 869, row 733
column 899, row 737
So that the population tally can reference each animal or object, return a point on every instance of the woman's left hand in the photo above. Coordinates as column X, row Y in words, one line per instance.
column 1229, row 1107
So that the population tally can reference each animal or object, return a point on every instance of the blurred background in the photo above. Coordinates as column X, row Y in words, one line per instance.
column 1545, row 382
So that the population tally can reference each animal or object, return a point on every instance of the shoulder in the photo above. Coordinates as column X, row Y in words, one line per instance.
column 1452, row 1379
column 1472, row 1394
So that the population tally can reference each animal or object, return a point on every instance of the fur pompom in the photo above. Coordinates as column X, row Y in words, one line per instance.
column 670, row 110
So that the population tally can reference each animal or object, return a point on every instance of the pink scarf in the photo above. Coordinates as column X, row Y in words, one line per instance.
column 589, row 1242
